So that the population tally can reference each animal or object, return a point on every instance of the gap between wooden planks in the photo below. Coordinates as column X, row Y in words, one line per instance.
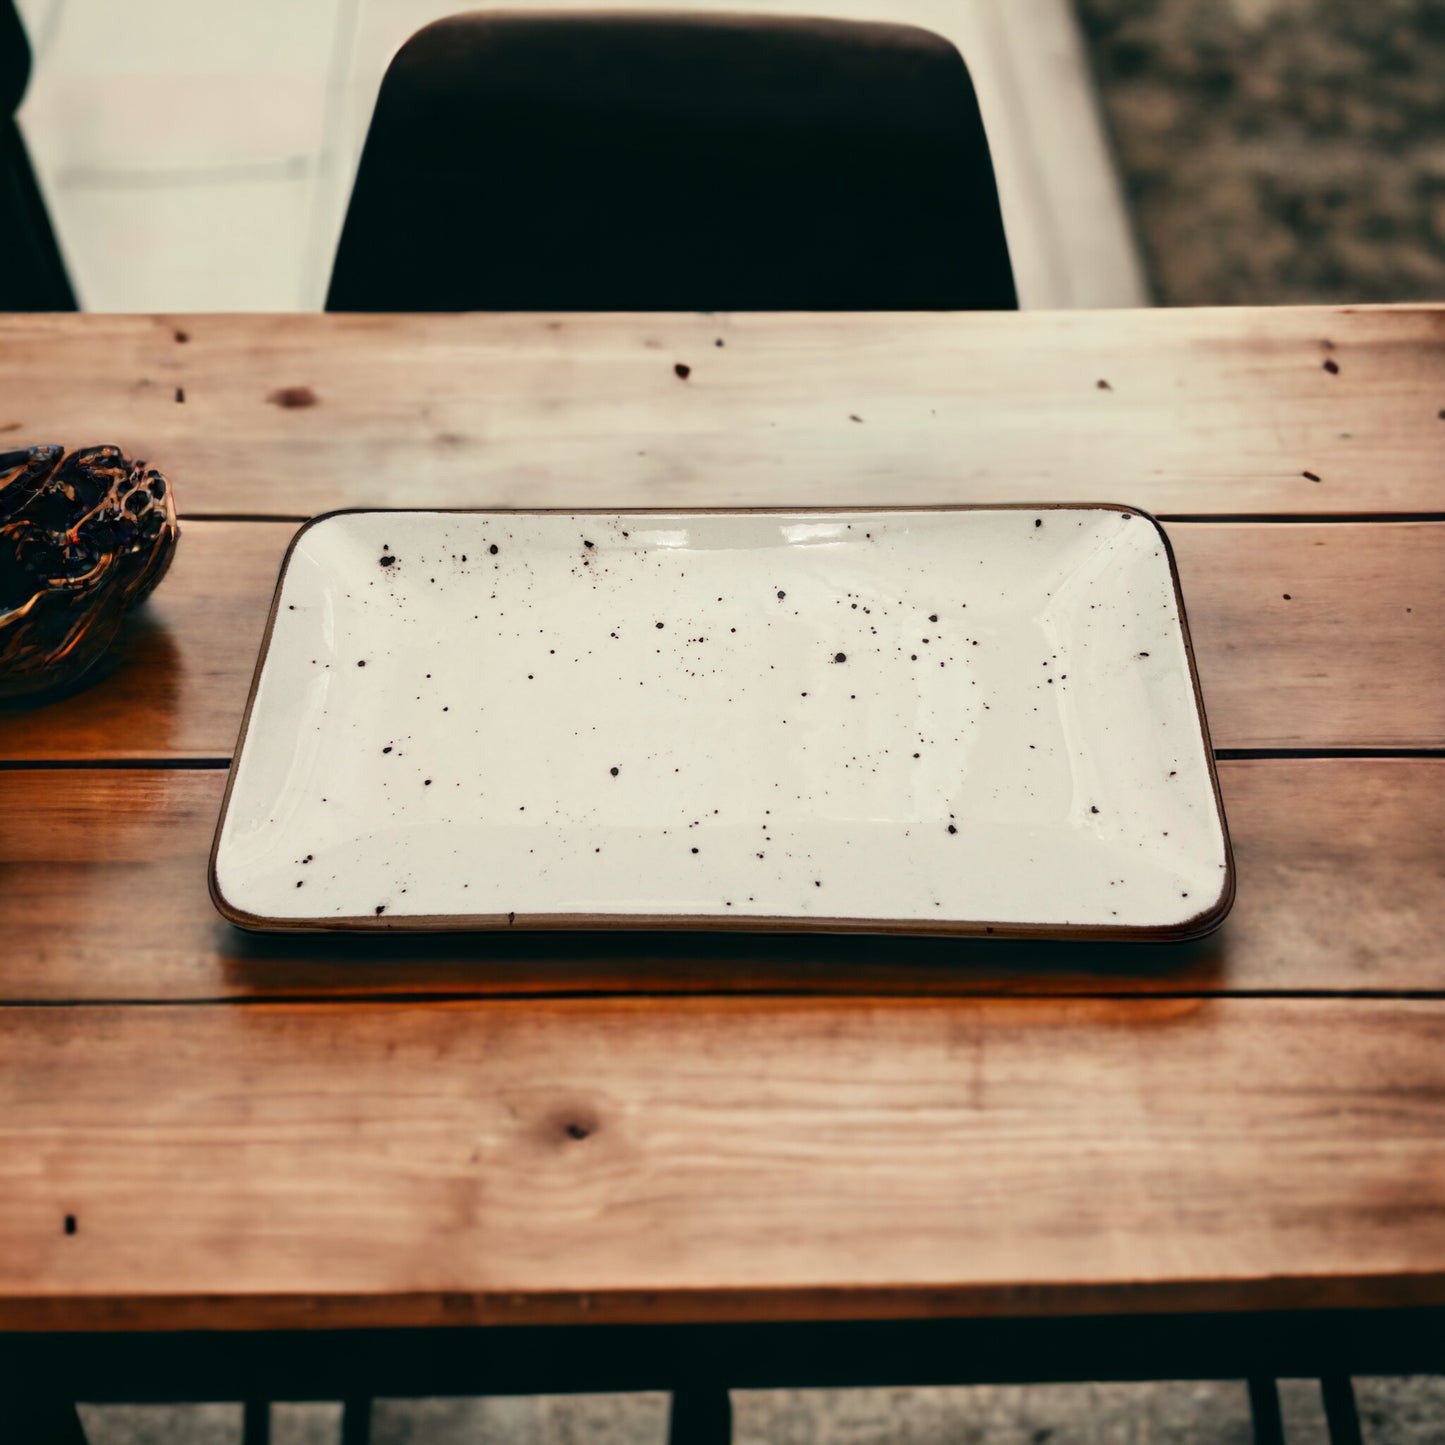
column 1186, row 411
column 682, row 1159
column 104, row 898
column 1306, row 636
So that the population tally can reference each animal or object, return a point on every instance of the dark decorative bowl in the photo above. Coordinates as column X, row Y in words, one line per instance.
column 83, row 539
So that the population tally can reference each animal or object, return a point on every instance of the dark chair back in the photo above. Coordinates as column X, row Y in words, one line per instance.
column 32, row 274
column 673, row 162
column 14, row 58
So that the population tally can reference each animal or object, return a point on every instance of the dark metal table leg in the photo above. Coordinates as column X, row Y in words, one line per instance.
column 1264, row 1411
column 1340, row 1412
column 700, row 1417
column 256, row 1423
column 356, row 1422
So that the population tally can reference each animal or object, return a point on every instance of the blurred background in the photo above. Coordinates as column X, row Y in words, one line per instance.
column 198, row 154
column 1278, row 151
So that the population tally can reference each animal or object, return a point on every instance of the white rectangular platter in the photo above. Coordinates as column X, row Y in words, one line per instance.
column 963, row 720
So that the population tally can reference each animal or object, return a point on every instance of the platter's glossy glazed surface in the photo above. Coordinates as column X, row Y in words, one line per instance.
column 971, row 720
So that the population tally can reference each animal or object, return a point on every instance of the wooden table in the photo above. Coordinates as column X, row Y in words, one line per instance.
column 204, row 1130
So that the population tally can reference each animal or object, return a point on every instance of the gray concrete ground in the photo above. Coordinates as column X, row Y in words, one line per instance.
column 1393, row 1412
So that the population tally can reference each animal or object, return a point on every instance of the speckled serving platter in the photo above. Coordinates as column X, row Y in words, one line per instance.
column 973, row 720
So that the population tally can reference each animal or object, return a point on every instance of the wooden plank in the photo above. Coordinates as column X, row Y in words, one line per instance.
column 176, row 682
column 1318, row 636
column 1207, row 411
column 1311, row 636
column 103, row 896
column 669, row 1160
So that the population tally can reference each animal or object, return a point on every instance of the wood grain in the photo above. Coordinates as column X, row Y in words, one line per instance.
column 293, row 1132
column 1340, row 865
column 715, row 1158
column 1318, row 636
column 1312, row 636
column 176, row 683
column 1198, row 411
